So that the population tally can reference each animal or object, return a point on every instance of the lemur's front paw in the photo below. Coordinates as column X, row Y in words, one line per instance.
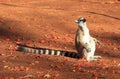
column 88, row 50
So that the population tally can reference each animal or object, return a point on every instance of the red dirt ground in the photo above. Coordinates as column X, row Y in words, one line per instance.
column 50, row 24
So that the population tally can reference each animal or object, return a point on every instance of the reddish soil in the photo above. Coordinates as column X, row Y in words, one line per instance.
column 50, row 24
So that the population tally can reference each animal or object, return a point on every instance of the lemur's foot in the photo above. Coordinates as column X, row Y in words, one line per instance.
column 93, row 58
column 97, row 57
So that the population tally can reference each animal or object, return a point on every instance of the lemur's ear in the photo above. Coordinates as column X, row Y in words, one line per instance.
column 84, row 20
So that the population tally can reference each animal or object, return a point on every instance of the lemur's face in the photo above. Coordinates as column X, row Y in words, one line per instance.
column 80, row 21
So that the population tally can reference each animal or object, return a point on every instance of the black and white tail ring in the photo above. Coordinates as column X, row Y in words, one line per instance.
column 27, row 49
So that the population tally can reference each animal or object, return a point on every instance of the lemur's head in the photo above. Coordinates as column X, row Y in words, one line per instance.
column 81, row 21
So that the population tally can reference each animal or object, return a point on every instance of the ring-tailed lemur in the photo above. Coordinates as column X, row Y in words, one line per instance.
column 28, row 49
column 85, row 44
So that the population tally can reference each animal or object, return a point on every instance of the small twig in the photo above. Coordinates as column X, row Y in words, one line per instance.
column 27, row 76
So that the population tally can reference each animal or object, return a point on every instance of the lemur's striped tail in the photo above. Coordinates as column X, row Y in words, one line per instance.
column 28, row 49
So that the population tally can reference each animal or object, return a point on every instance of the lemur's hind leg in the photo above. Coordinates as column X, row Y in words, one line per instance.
column 89, row 56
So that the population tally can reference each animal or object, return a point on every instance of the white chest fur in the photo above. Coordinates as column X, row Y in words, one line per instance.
column 83, row 36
